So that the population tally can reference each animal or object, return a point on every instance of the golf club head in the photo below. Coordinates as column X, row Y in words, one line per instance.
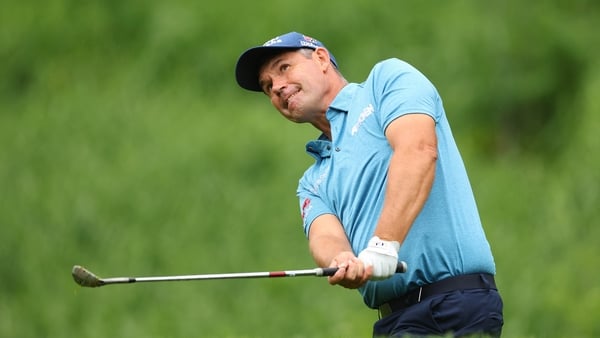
column 85, row 278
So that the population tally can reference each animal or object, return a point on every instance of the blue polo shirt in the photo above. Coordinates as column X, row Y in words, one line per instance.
column 349, row 177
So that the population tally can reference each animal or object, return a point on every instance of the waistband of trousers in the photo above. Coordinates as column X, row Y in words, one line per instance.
column 461, row 282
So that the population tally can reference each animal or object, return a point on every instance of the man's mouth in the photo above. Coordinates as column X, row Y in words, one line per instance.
column 287, row 100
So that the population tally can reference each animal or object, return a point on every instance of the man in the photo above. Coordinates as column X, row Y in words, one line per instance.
column 387, row 182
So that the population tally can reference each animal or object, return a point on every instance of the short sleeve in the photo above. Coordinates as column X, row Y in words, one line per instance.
column 311, row 204
column 402, row 90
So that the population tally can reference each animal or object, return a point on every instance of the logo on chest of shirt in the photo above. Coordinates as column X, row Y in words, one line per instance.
column 368, row 111
column 322, row 177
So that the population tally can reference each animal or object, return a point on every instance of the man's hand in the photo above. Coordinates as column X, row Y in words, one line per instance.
column 351, row 272
column 382, row 256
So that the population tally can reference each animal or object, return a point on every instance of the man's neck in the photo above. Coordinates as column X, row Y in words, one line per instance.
column 339, row 82
column 324, row 126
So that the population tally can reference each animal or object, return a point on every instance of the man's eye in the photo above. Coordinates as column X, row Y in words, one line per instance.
column 284, row 67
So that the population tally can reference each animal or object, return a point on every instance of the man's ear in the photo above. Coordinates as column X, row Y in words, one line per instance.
column 322, row 56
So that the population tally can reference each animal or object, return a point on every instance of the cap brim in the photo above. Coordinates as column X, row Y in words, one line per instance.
column 249, row 63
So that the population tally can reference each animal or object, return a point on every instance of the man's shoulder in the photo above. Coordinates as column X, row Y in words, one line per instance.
column 392, row 63
column 395, row 70
column 389, row 69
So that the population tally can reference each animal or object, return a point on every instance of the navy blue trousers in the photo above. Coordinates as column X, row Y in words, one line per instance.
column 457, row 313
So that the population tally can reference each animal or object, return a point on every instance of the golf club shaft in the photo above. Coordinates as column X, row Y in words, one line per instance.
column 237, row 275
column 84, row 277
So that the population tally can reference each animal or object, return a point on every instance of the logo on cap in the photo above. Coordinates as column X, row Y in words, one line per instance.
column 309, row 42
column 273, row 41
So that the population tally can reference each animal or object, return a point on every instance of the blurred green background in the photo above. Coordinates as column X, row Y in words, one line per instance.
column 127, row 147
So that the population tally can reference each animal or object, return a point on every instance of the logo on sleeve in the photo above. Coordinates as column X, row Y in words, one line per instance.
column 305, row 207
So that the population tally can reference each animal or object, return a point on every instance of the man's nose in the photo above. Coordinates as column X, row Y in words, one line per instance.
column 278, row 86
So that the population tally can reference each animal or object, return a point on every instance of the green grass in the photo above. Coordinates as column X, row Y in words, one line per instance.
column 126, row 147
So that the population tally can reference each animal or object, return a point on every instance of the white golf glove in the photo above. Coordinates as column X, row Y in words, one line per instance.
column 382, row 255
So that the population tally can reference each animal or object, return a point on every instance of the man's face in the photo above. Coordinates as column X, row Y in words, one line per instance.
column 295, row 82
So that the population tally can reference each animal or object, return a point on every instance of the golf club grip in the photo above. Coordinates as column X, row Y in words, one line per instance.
column 401, row 268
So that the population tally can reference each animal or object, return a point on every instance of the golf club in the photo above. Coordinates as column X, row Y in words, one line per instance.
column 86, row 278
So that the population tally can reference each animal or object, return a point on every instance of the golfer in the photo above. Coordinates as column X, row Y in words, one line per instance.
column 388, row 183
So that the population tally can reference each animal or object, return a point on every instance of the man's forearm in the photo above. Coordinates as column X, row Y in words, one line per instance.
column 410, row 178
column 327, row 240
